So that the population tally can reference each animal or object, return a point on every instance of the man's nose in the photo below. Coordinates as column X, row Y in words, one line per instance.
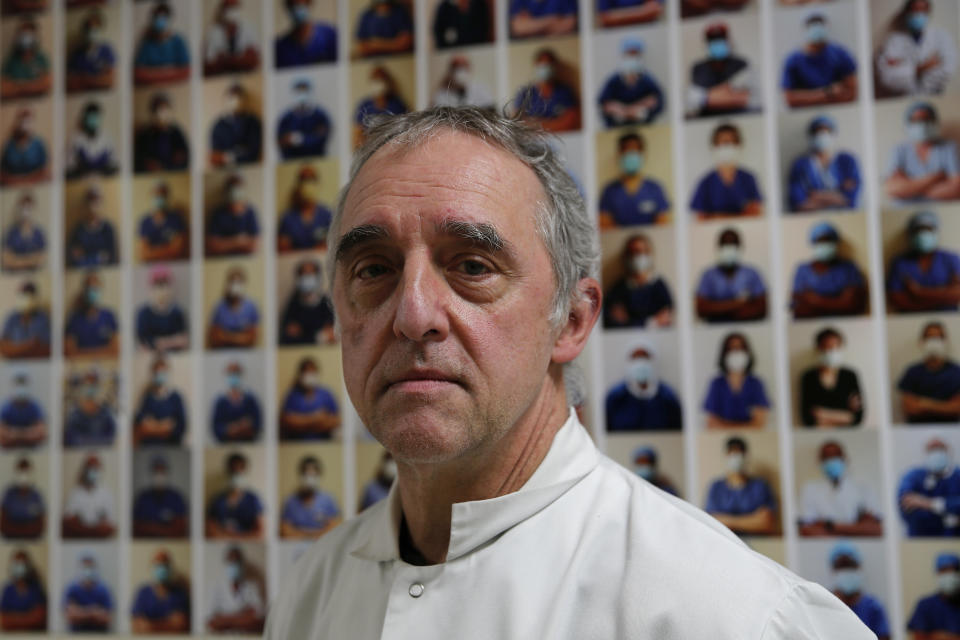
column 421, row 313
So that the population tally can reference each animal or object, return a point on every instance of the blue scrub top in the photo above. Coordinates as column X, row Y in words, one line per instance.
column 626, row 412
column 373, row 492
column 171, row 51
column 159, row 506
column 85, row 62
column 159, row 234
column 935, row 613
column 944, row 270
column 315, row 515
column 305, row 235
column 225, row 411
column 841, row 174
column 872, row 613
column 921, row 523
column 169, row 406
column 756, row 493
column 299, row 402
column 321, row 46
column 942, row 157
column 541, row 8
column 723, row 402
column 241, row 135
column 37, row 327
column 224, row 223
column 22, row 505
column 21, row 414
column 373, row 25
column 941, row 384
column 238, row 518
column 641, row 302
column 12, row 601
column 97, row 247
column 640, row 208
column 313, row 124
column 240, row 318
column 368, row 108
column 152, row 325
column 92, row 333
column 840, row 275
column 716, row 284
column 23, row 244
column 83, row 594
column 805, row 71
column 19, row 160
column 606, row 5
column 536, row 105
column 618, row 90
column 146, row 604
column 713, row 195
column 86, row 430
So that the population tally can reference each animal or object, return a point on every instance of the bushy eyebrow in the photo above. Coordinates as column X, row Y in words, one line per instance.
column 481, row 234
column 359, row 236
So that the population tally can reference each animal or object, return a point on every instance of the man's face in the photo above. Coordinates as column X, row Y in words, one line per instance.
column 446, row 341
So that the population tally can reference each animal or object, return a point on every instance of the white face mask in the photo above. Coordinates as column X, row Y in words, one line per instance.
column 308, row 283
column 848, row 581
column 934, row 347
column 165, row 116
column 542, row 72
column 236, row 289
column 949, row 582
column 735, row 462
column 23, row 478
column 726, row 154
column 389, row 470
column 641, row 263
column 310, row 380
column 640, row 371
column 238, row 480
column 233, row 104
column 729, row 255
column 737, row 360
column 631, row 65
column 232, row 15
column 309, row 481
column 378, row 88
column 462, row 76
column 25, row 213
column 832, row 358
column 26, row 40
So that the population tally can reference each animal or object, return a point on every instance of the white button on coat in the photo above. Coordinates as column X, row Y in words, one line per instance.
column 416, row 590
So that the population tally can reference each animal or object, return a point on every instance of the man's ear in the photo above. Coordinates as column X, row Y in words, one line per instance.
column 580, row 321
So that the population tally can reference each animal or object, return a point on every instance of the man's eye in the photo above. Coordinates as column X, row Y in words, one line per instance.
column 473, row 268
column 371, row 271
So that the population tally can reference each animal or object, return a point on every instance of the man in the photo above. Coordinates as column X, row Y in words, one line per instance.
column 643, row 402
column 24, row 157
column 640, row 297
column 548, row 100
column 728, row 190
column 26, row 329
column 90, row 421
column 926, row 166
column 91, row 64
column 22, row 511
column 24, row 241
column 731, row 291
column 89, row 510
column 384, row 28
column 87, row 601
column 821, row 72
column 917, row 56
column 162, row 605
column 236, row 413
column 309, row 411
column 26, row 70
column 93, row 240
column 22, row 422
column 160, row 144
column 160, row 509
column 90, row 150
column 631, row 95
column 618, row 13
column 723, row 82
column 645, row 466
column 161, row 417
column 164, row 231
column 162, row 57
column 924, row 278
column 308, row 315
column 231, row 45
column 937, row 616
column 459, row 87
column 455, row 364
column 304, row 225
column 236, row 320
column 232, row 228
column 236, row 600
column 929, row 495
column 845, row 561
column 838, row 505
column 930, row 388
column 310, row 511
column 823, row 178
column 23, row 601
column 162, row 322
column 307, row 41
column 304, row 128
column 828, row 285
column 745, row 503
column 236, row 512
column 536, row 19
column 632, row 198
column 236, row 136
column 461, row 23
column 379, row 486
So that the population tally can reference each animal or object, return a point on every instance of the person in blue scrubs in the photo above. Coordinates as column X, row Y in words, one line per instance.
column 232, row 228
column 729, row 190
column 24, row 156
column 89, row 149
column 304, row 128
column 161, row 417
column 235, row 321
column 643, row 401
column 162, row 57
column 645, row 465
column 91, row 329
column 631, row 95
column 309, row 410
column 22, row 420
column 309, row 512
column 930, row 389
column 236, row 412
column 164, row 232
column 23, row 600
column 160, row 145
column 736, row 397
column 746, row 504
column 925, row 167
column 383, row 98
column 641, row 296
column 938, row 614
column 925, row 277
column 24, row 241
column 619, row 13
column 845, row 561
column 929, row 495
column 308, row 315
column 93, row 239
column 26, row 329
column 723, row 82
column 235, row 512
column 161, row 322
column 731, row 291
column 89, row 422
column 22, row 511
column 237, row 135
column 26, row 68
column 542, row 18
column 461, row 23
column 828, row 285
column 306, row 222
column 823, row 178
column 821, row 72
column 163, row 603
column 379, row 486
column 87, row 601
column 160, row 509
column 308, row 41
column 92, row 63
column 548, row 100
column 384, row 28
column 632, row 198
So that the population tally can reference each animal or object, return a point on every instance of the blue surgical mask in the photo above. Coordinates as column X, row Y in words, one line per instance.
column 640, row 371
column 234, row 380
column 159, row 202
column 93, row 295
column 925, row 241
column 718, row 49
column 631, row 162
column 728, row 255
column 160, row 378
column 645, row 471
column 88, row 574
column 834, row 468
column 848, row 581
column 824, row 141
column 937, row 461
column 631, row 65
column 92, row 122
column 542, row 72
column 921, row 131
column 161, row 572
column 824, row 251
column 300, row 13
column 161, row 22
column 917, row 21
column 233, row 571
column 817, row 33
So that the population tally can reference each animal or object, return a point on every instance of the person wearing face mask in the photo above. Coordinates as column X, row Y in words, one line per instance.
column 304, row 128
column 736, row 397
column 162, row 603
column 24, row 158
column 631, row 95
column 89, row 510
column 162, row 57
column 92, row 62
column 163, row 232
column 22, row 511
column 235, row 320
column 91, row 329
column 308, row 41
column 24, row 241
column 642, row 401
column 632, row 198
column 838, row 505
column 161, row 416
column 937, row 616
column 924, row 277
column 26, row 69
column 237, row 135
column 161, row 322
column 23, row 600
column 821, row 72
column 459, row 87
column 383, row 99
column 379, row 486
column 236, row 599
column 87, row 601
column 746, row 504
column 828, row 285
column 460, row 23
column 539, row 18
column 384, row 28
column 22, row 421
column 548, row 100
column 309, row 411
column 930, row 389
column 926, row 165
column 26, row 329
column 308, row 315
column 93, row 239
column 232, row 228
column 160, row 510
column 306, row 222
column 830, row 393
column 847, row 584
column 918, row 56
column 90, row 151
column 235, row 512
column 693, row 8
column 236, row 412
column 231, row 45
column 619, row 13
column 823, row 178
column 641, row 296
column 160, row 144
column 929, row 495
column 729, row 190
column 310, row 511
column 89, row 420
column 645, row 465
column 731, row 291
column 723, row 83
